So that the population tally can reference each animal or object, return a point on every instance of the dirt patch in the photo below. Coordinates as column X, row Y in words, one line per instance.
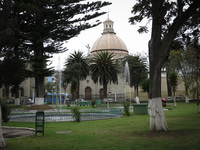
column 11, row 132
column 163, row 134
column 39, row 107
column 63, row 132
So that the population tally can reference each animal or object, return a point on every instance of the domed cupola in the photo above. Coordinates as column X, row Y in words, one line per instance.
column 108, row 26
column 109, row 41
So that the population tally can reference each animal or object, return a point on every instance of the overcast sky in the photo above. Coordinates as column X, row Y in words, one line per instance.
column 119, row 13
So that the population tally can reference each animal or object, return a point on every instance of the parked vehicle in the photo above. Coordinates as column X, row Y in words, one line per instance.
column 81, row 102
column 10, row 101
column 108, row 100
column 30, row 101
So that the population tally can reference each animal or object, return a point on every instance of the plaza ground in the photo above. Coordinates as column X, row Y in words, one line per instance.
column 125, row 133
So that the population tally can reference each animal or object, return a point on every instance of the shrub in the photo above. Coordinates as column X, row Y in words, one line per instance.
column 93, row 103
column 126, row 105
column 5, row 110
column 76, row 114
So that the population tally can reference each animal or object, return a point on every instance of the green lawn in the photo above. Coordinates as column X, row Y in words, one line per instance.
column 126, row 133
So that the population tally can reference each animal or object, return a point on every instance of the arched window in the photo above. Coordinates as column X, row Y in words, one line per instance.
column 22, row 91
column 13, row 92
column 101, row 93
column 4, row 92
column 88, row 93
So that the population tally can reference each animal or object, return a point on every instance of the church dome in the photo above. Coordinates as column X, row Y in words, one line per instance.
column 109, row 41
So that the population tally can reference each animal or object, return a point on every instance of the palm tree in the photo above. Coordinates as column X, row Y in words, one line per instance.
column 76, row 69
column 104, row 69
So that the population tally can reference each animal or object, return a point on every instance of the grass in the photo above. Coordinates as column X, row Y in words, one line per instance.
column 126, row 133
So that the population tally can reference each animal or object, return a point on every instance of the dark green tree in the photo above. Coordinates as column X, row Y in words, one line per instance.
column 5, row 34
column 104, row 69
column 145, row 85
column 138, row 71
column 180, row 62
column 50, row 87
column 13, row 71
column 44, row 26
column 170, row 19
column 76, row 69
column 170, row 65
column 193, row 51
column 173, row 78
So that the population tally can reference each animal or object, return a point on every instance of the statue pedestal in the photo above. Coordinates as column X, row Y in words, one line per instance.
column 17, row 101
column 39, row 101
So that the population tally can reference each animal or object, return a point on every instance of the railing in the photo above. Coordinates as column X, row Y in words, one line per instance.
column 67, row 116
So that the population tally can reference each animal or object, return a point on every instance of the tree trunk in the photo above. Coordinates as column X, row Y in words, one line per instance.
column 7, row 91
column 16, row 91
column 78, row 90
column 157, row 117
column 169, row 90
column 39, row 65
column 186, row 93
column 174, row 97
column 105, row 89
column 2, row 142
column 39, row 89
column 156, row 60
column 155, row 109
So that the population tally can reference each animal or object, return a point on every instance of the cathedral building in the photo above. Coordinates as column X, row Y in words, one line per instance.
column 110, row 42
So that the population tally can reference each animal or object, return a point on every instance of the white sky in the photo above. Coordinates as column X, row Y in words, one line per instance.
column 119, row 13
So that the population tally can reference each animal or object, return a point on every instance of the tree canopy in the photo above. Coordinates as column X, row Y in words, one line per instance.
column 76, row 69
column 42, row 27
column 170, row 20
column 104, row 69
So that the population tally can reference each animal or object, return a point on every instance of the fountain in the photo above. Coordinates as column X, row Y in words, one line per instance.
column 127, row 78
column 59, row 90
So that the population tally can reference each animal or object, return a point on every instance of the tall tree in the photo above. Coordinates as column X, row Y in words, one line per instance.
column 5, row 33
column 45, row 25
column 145, row 85
column 179, row 61
column 76, row 69
column 104, row 69
column 193, row 50
column 138, row 71
column 173, row 78
column 13, row 70
column 176, row 47
column 169, row 20
column 5, row 30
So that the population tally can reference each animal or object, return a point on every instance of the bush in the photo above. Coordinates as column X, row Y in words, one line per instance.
column 76, row 114
column 5, row 110
column 126, row 105
column 93, row 103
